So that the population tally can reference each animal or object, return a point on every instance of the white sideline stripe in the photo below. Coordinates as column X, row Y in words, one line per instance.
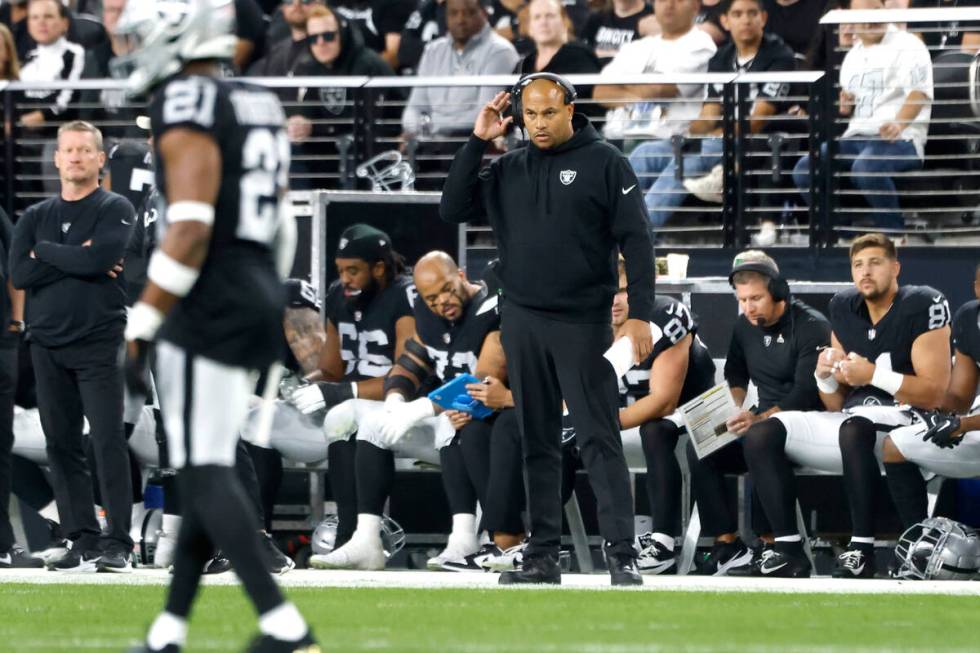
column 436, row 580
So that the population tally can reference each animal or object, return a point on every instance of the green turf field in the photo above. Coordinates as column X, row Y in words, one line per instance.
column 107, row 618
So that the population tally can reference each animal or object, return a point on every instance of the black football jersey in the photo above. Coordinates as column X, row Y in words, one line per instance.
column 131, row 169
column 916, row 310
column 674, row 320
column 141, row 244
column 454, row 347
column 367, row 336
column 966, row 330
column 233, row 314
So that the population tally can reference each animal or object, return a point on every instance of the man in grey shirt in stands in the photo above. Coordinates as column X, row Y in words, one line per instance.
column 470, row 48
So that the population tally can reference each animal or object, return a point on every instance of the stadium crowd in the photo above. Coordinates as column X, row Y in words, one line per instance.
column 869, row 386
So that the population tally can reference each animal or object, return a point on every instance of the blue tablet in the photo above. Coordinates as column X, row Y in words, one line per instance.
column 452, row 395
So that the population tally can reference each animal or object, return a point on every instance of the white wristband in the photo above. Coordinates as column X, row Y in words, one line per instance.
column 353, row 388
column 143, row 321
column 887, row 380
column 828, row 385
column 171, row 275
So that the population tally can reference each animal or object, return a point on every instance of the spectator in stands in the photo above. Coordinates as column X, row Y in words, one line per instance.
column 774, row 346
column 886, row 89
column 284, row 54
column 750, row 50
column 381, row 23
column 470, row 48
column 111, row 11
column 250, row 32
column 509, row 18
column 609, row 30
column 318, row 116
column 54, row 58
column 9, row 65
column 658, row 111
column 947, row 36
column 709, row 20
column 554, row 52
column 426, row 24
column 795, row 21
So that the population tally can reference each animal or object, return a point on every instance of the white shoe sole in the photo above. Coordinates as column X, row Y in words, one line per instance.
column 362, row 565
column 84, row 568
column 743, row 560
column 657, row 569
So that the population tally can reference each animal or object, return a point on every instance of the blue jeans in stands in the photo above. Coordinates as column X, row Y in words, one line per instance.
column 867, row 169
column 664, row 193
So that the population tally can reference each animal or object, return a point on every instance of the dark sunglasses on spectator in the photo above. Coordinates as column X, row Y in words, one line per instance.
column 328, row 37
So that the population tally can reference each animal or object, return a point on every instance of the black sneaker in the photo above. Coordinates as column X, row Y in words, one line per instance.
column 78, row 561
column 536, row 569
column 855, row 563
column 623, row 570
column 276, row 562
column 218, row 564
column 726, row 557
column 757, row 557
column 115, row 559
column 269, row 644
column 17, row 558
column 473, row 562
column 654, row 557
column 776, row 564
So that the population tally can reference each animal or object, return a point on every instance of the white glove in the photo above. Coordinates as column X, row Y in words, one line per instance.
column 341, row 421
column 402, row 417
column 307, row 399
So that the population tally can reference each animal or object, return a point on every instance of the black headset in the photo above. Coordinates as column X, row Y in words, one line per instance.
column 515, row 93
column 777, row 286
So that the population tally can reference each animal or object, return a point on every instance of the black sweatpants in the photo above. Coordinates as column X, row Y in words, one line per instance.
column 8, row 387
column 547, row 361
column 85, row 379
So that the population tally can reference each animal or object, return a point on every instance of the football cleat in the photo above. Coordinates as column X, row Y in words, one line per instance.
column 855, row 563
column 78, row 562
column 362, row 553
column 776, row 564
column 726, row 557
column 752, row 569
column 654, row 557
column 535, row 570
column 269, row 644
column 17, row 558
column 57, row 547
column 507, row 560
column 115, row 559
column 473, row 561
column 277, row 562
column 457, row 549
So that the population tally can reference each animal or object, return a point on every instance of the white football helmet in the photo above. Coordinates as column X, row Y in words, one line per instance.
column 938, row 549
column 163, row 35
column 325, row 535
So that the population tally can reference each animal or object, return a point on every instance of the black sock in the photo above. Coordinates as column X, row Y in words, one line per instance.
column 455, row 480
column 343, row 486
column 764, row 446
column 908, row 490
column 245, row 470
column 710, row 491
column 375, row 477
column 194, row 549
column 659, row 438
column 861, row 472
column 474, row 440
column 793, row 548
column 268, row 469
column 225, row 514
column 505, row 486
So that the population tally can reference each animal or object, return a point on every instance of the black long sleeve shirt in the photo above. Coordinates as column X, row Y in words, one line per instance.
column 558, row 216
column 780, row 359
column 70, row 296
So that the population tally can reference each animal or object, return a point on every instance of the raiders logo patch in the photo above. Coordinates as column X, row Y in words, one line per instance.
column 567, row 176
column 333, row 99
column 767, row 340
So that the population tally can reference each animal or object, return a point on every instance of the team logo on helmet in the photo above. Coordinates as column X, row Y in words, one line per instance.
column 567, row 176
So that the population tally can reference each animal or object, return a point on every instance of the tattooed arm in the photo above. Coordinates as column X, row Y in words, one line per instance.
column 305, row 335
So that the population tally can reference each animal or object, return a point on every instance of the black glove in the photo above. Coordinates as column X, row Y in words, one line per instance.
column 137, row 368
column 940, row 427
column 335, row 393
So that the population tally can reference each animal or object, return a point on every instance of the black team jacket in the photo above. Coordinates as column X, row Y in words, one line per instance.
column 559, row 215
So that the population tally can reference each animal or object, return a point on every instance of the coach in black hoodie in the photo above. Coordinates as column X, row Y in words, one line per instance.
column 559, row 207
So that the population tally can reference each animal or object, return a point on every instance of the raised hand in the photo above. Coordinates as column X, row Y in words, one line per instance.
column 490, row 122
